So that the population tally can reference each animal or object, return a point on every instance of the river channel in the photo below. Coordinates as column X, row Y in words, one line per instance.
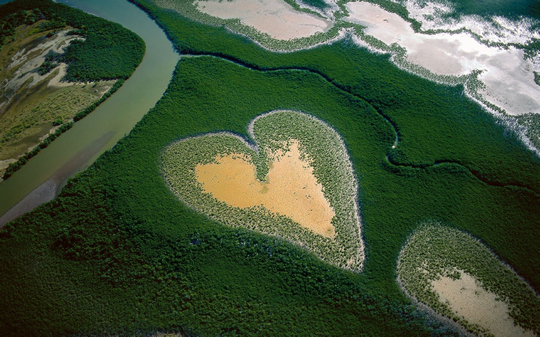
column 43, row 176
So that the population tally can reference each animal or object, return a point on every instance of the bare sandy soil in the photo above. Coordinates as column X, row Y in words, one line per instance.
column 5, row 163
column 273, row 17
column 469, row 300
column 290, row 190
column 25, row 61
column 508, row 77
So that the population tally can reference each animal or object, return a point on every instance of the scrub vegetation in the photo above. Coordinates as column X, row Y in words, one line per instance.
column 117, row 252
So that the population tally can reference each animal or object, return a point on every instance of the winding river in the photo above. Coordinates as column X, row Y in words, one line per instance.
column 43, row 176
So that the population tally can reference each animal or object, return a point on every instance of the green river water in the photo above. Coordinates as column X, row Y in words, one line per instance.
column 76, row 149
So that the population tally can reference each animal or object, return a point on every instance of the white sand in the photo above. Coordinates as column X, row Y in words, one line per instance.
column 273, row 17
column 508, row 78
column 469, row 300
column 26, row 67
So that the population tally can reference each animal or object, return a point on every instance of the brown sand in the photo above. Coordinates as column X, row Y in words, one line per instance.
column 290, row 188
column 466, row 298
column 275, row 17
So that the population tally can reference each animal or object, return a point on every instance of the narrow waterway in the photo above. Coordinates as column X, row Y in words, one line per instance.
column 76, row 149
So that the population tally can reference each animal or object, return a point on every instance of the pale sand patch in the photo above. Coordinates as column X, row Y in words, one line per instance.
column 290, row 188
column 508, row 77
column 466, row 298
column 273, row 17
column 56, row 80
column 26, row 67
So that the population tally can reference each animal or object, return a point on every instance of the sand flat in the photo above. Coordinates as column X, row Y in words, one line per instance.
column 290, row 189
column 273, row 17
column 508, row 77
column 469, row 300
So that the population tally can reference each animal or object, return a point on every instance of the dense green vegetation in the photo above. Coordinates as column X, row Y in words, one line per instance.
column 158, row 264
column 108, row 51
column 117, row 252
column 423, row 113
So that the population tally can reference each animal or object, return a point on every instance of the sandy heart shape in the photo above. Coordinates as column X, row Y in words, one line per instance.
column 295, row 182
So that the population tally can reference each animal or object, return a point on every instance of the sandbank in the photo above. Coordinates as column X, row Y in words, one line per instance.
column 43, row 193
column 290, row 188
column 50, row 189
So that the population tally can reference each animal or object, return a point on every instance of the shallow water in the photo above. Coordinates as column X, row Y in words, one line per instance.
column 507, row 75
column 114, row 118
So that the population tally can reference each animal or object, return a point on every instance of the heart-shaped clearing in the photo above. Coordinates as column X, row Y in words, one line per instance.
column 290, row 188
column 297, row 183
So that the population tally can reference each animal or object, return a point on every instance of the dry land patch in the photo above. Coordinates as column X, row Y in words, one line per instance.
column 296, row 183
column 290, row 188
column 459, row 278
column 33, row 100
column 273, row 17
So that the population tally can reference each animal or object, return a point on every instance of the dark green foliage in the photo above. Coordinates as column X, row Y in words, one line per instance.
column 12, row 18
column 51, row 61
column 316, row 3
column 117, row 252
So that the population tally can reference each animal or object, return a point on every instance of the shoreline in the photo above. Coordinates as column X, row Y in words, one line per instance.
column 48, row 190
